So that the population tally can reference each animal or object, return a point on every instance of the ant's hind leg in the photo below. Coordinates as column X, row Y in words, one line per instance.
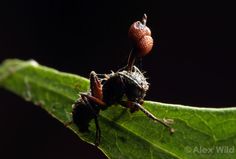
column 68, row 123
column 98, row 132
column 95, row 113
column 96, row 95
column 95, row 86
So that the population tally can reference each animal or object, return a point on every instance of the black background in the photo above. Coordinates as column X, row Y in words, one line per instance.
column 192, row 62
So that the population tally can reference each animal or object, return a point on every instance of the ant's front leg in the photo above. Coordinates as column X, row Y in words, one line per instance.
column 165, row 122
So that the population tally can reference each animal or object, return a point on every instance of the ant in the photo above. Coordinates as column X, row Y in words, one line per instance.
column 126, row 87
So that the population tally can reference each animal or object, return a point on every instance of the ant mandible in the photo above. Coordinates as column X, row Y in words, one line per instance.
column 126, row 87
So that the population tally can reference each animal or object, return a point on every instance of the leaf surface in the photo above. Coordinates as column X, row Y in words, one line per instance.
column 200, row 133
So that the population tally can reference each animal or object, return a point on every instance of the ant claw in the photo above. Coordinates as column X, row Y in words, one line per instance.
column 168, row 121
column 97, row 143
column 68, row 123
column 172, row 130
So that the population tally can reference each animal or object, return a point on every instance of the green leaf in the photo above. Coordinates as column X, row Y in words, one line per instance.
column 201, row 133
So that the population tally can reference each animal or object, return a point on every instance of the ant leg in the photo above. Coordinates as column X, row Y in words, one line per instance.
column 95, row 86
column 97, row 101
column 96, row 90
column 165, row 122
column 103, row 76
column 68, row 123
column 130, row 105
column 86, row 101
column 98, row 132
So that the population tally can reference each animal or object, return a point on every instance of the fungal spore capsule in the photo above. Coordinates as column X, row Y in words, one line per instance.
column 140, row 36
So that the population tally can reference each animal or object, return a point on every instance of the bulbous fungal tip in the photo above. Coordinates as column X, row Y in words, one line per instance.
column 144, row 46
column 137, row 31
column 140, row 36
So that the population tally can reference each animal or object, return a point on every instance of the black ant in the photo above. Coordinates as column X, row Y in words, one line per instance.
column 126, row 87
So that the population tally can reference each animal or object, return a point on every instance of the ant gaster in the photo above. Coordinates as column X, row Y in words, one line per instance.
column 126, row 87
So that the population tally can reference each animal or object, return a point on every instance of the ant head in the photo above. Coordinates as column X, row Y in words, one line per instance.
column 136, row 84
